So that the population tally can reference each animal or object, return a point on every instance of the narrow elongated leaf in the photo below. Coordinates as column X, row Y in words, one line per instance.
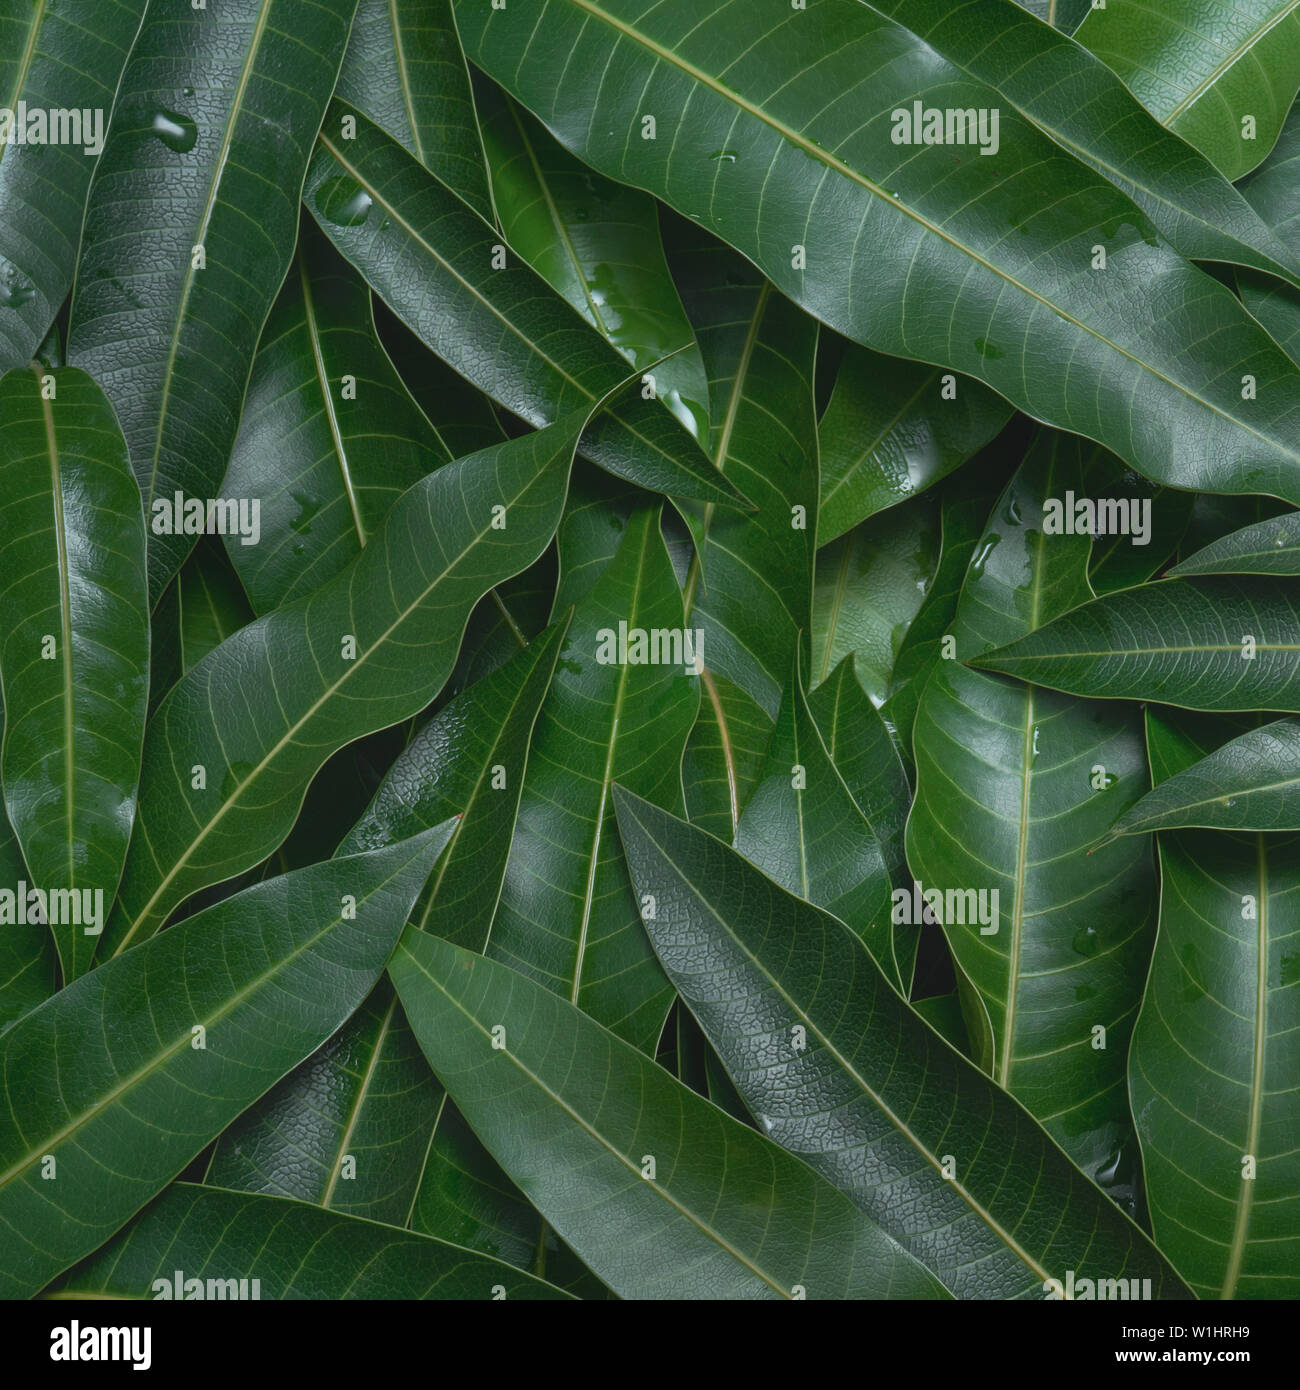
column 29, row 964
column 1273, row 190
column 449, row 277
column 677, row 1200
column 617, row 709
column 1219, row 643
column 1268, row 547
column 868, row 1093
column 172, row 291
column 750, row 587
column 405, row 70
column 1072, row 96
column 329, row 437
column 1222, row 76
column 803, row 828
column 724, row 755
column 156, row 1053
column 223, row 778
column 869, row 235
column 74, row 655
column 292, row 1250
column 893, row 428
column 1251, row 783
column 1014, row 785
column 1214, row 1063
column 597, row 243
column 211, row 603
column 1139, row 525
column 65, row 59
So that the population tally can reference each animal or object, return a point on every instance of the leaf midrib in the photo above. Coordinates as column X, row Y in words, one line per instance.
column 1247, row 44
column 25, row 63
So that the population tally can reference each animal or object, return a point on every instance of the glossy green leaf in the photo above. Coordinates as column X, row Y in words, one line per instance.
column 1273, row 190
column 618, row 709
column 1202, row 67
column 1268, row 547
column 172, row 291
column 329, row 437
column 452, row 279
column 868, row 1094
column 371, row 647
column 912, row 250
column 74, row 655
column 1014, row 786
column 597, row 243
column 404, row 69
column 869, row 585
column 1153, row 520
column 1081, row 104
column 66, row 58
column 292, row 1250
column 211, row 603
column 676, row 1199
column 724, row 755
column 155, row 1053
column 893, row 428
column 750, row 588
column 1251, row 783
column 803, row 828
column 1220, row 643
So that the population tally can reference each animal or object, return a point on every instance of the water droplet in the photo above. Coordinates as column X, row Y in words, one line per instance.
column 178, row 133
column 982, row 554
column 14, row 296
column 1085, row 941
column 306, row 514
column 1281, row 540
column 343, row 201
column 725, row 156
column 1033, row 753
column 1011, row 512
column 988, row 349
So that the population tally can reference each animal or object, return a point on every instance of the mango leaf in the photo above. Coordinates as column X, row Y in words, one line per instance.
column 223, row 778
column 1268, row 547
column 75, row 648
column 1014, row 786
column 1213, row 1058
column 838, row 1069
column 69, row 60
column 1273, row 190
column 211, row 603
column 597, row 243
column 405, row 71
column 1072, row 96
column 868, row 587
column 329, row 437
column 449, row 276
column 683, row 1200
column 893, row 428
column 869, row 235
column 803, row 828
column 172, row 291
column 1220, row 643
column 750, row 586
column 155, row 1054
column 617, row 709
column 1152, row 521
column 724, row 755
column 289, row 1249
column 1251, row 783
column 1221, row 76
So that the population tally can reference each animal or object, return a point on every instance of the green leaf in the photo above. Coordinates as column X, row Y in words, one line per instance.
column 66, row 59
column 264, row 977
column 567, row 916
column 206, row 113
column 211, row 603
column 869, row 586
column 405, row 71
column 1073, row 97
column 1014, row 786
column 1268, row 547
column 449, row 276
column 329, row 437
column 75, row 647
column 675, row 1199
column 1273, row 190
column 292, row 1250
column 724, row 755
column 1201, row 70
column 912, row 250
column 891, row 430
column 1157, row 519
column 371, row 647
column 1214, row 1062
column 750, row 587
column 597, row 243
column 1219, row 643
column 868, row 1093
column 1251, row 783
column 803, row 828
